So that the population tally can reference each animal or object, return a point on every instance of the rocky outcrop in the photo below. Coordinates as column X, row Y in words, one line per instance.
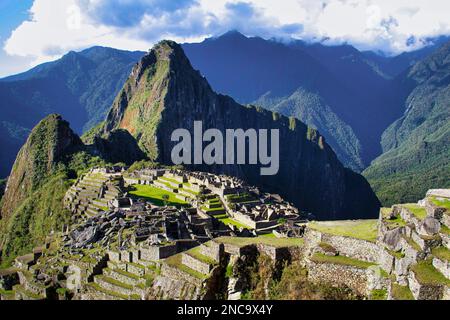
column 164, row 93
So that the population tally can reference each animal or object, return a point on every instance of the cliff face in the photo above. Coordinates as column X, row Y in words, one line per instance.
column 47, row 144
column 165, row 93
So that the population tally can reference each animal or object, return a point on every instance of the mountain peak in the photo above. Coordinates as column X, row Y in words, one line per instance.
column 49, row 141
column 165, row 93
column 233, row 34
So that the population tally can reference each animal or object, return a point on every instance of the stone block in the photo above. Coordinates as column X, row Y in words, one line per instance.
column 442, row 266
column 424, row 291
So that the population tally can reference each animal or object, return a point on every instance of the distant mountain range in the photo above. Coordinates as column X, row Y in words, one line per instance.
column 417, row 146
column 363, row 103
column 351, row 97
column 80, row 86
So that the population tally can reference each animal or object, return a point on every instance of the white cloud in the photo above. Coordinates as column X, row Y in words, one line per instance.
column 56, row 27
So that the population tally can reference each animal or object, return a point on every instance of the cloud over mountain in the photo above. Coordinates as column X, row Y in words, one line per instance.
column 54, row 27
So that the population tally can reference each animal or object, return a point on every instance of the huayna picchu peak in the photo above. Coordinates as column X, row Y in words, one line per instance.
column 164, row 93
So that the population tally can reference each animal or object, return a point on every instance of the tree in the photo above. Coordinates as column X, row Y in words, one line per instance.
column 165, row 198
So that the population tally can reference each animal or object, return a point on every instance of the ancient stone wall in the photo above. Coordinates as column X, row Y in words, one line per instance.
column 195, row 264
column 213, row 250
column 424, row 292
column 339, row 275
column 174, row 273
column 350, row 247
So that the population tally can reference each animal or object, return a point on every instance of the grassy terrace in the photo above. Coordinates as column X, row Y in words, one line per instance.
column 193, row 193
column 195, row 253
column 98, row 288
column 229, row 221
column 401, row 292
column 241, row 198
column 395, row 223
column 156, row 195
column 417, row 211
column 342, row 260
column 427, row 274
column 445, row 229
column 412, row 243
column 443, row 203
column 275, row 242
column 392, row 223
column 442, row 253
column 8, row 293
column 116, row 282
column 21, row 289
column 126, row 274
column 268, row 235
column 175, row 261
column 360, row 229
column 378, row 294
column 163, row 179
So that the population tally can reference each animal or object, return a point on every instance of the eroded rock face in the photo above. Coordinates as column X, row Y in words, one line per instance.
column 165, row 93
column 392, row 239
column 430, row 226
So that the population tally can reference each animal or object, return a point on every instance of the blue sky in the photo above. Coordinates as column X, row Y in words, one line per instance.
column 36, row 31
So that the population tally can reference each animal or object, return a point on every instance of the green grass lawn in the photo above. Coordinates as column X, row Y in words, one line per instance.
column 276, row 242
column 212, row 210
column 155, row 195
column 442, row 253
column 268, row 235
column 417, row 211
column 169, row 180
column 242, row 198
column 229, row 221
column 359, row 229
column 195, row 252
column 401, row 292
column 378, row 294
column 392, row 223
column 443, row 203
column 427, row 274
column 342, row 260
column 395, row 223
column 445, row 229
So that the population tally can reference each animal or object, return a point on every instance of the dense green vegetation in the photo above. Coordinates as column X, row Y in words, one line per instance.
column 311, row 109
column 42, row 211
column 32, row 208
column 81, row 86
column 416, row 146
